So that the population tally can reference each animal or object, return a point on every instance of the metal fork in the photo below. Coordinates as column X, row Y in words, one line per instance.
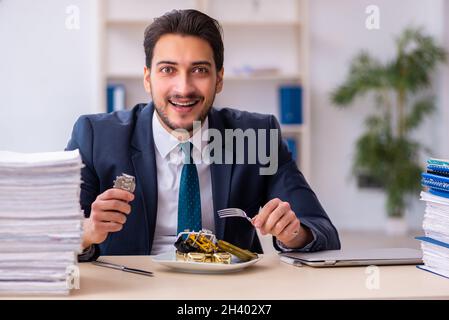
column 236, row 212
column 233, row 212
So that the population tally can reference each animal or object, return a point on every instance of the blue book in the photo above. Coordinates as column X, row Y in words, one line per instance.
column 290, row 103
column 437, row 252
column 439, row 193
column 433, row 241
column 115, row 97
column 291, row 145
column 441, row 163
column 425, row 268
column 437, row 168
column 435, row 181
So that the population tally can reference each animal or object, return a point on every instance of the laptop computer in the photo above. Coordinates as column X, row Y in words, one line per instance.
column 357, row 257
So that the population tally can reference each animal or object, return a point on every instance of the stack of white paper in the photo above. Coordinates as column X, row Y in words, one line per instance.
column 436, row 218
column 40, row 221
column 435, row 244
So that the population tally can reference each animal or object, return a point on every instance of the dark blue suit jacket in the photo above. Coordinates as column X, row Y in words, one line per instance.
column 122, row 142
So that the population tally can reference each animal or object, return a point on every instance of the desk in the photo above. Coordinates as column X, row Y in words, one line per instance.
column 268, row 279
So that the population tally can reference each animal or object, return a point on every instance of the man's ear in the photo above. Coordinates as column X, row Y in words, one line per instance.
column 146, row 79
column 219, row 85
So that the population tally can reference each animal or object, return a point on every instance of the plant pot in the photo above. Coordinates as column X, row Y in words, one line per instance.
column 396, row 226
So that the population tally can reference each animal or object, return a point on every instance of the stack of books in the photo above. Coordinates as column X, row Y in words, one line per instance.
column 40, row 222
column 435, row 243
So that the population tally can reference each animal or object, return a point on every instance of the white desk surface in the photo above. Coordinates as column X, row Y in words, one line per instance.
column 268, row 279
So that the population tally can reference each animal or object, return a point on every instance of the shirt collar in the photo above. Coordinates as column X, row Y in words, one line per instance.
column 167, row 143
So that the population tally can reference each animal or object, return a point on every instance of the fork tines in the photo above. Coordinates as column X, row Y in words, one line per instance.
column 233, row 212
column 230, row 213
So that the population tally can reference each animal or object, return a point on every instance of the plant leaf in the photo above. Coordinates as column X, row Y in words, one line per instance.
column 420, row 109
column 365, row 74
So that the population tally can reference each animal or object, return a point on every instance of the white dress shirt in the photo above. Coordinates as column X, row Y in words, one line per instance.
column 169, row 157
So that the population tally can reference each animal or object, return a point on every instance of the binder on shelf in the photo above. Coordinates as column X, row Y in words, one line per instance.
column 290, row 103
column 292, row 147
column 115, row 97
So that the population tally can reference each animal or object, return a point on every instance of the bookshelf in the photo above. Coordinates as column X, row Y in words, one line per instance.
column 267, row 35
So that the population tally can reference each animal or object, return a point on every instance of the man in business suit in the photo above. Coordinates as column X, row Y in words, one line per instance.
column 175, row 189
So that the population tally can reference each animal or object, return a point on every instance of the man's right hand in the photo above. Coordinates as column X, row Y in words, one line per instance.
column 108, row 214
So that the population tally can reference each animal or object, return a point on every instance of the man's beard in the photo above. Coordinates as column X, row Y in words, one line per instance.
column 163, row 116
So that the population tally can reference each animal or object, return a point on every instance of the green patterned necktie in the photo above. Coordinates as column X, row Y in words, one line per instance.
column 189, row 201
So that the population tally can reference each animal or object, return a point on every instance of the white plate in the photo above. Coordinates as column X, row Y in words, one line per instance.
column 168, row 259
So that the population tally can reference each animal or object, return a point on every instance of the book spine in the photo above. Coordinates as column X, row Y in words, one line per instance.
column 290, row 101
column 110, row 99
column 115, row 97
column 438, row 162
column 292, row 147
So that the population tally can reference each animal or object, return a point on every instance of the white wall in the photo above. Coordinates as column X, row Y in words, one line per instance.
column 48, row 72
column 337, row 33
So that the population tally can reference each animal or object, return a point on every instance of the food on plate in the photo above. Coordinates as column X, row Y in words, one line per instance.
column 203, row 246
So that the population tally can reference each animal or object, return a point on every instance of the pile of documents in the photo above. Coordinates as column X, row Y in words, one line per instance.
column 435, row 243
column 40, row 222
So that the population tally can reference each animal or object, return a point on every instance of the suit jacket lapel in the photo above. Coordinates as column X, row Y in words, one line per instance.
column 144, row 161
column 220, row 176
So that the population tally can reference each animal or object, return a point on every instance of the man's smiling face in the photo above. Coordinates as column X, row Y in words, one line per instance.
column 182, row 80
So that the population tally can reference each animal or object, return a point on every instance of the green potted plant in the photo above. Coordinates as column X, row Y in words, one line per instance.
column 386, row 153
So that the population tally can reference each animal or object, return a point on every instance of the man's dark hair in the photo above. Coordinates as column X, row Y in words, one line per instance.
column 185, row 22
